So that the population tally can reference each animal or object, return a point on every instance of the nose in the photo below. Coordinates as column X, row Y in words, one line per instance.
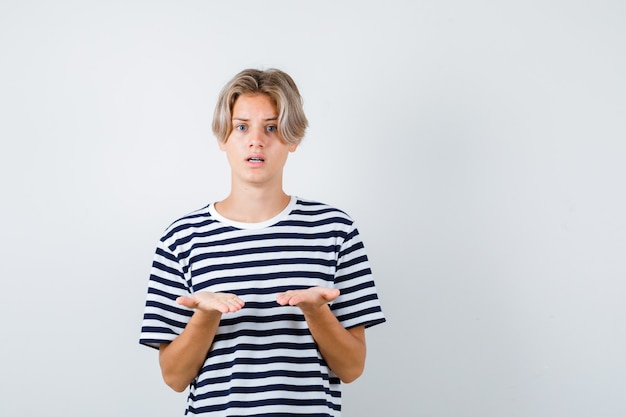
column 256, row 137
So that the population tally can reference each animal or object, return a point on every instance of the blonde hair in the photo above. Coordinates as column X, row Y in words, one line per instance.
column 276, row 84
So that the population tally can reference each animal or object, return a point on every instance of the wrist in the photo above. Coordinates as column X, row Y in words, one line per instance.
column 204, row 317
column 315, row 310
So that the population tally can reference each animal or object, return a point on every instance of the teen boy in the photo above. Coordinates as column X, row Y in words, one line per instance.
column 259, row 302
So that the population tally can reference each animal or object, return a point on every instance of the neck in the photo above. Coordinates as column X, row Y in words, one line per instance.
column 251, row 205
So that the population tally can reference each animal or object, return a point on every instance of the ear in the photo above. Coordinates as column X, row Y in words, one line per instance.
column 293, row 147
column 222, row 145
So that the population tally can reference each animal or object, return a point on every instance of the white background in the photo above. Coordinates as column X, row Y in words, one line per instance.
column 480, row 146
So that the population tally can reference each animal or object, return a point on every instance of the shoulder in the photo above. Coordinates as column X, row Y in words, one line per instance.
column 189, row 222
column 312, row 209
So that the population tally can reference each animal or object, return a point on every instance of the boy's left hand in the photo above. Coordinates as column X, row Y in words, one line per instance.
column 309, row 298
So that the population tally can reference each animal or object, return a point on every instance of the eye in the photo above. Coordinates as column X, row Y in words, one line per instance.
column 272, row 128
column 241, row 128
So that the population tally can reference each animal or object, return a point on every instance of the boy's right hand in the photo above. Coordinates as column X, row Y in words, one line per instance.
column 212, row 301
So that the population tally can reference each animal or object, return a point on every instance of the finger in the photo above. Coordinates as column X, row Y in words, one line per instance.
column 282, row 298
column 223, row 308
column 186, row 301
column 331, row 294
column 295, row 300
column 234, row 305
column 232, row 299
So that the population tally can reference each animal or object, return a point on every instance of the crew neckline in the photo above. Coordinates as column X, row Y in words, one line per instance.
column 260, row 225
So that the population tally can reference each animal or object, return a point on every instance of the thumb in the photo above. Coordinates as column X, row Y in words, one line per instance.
column 185, row 301
column 331, row 294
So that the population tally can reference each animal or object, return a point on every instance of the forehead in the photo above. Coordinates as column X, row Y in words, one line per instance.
column 251, row 105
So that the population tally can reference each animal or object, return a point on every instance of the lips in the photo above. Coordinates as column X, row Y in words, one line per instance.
column 256, row 158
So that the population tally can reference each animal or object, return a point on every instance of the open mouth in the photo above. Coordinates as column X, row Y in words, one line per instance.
column 256, row 159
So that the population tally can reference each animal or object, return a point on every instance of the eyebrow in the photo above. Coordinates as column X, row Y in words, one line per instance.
column 271, row 119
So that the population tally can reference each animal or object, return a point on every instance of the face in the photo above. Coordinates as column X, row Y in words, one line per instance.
column 255, row 149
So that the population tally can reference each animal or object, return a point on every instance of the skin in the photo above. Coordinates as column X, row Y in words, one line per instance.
column 256, row 195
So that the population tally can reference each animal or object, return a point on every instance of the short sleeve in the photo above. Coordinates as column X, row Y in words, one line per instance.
column 163, row 318
column 358, row 303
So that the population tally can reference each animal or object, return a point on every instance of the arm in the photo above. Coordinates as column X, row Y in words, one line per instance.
column 344, row 350
column 182, row 359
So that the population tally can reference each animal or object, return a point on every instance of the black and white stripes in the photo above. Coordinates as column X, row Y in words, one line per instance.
column 263, row 361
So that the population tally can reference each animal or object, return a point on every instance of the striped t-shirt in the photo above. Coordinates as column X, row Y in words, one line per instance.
column 263, row 360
